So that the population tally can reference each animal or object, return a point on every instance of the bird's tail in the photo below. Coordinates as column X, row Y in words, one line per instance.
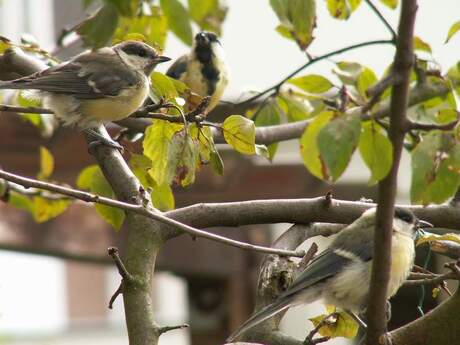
column 262, row 315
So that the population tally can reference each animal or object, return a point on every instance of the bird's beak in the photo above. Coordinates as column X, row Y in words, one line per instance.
column 160, row 59
column 423, row 224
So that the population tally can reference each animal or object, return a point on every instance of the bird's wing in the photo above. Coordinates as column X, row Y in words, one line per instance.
column 178, row 67
column 101, row 79
column 344, row 250
column 326, row 265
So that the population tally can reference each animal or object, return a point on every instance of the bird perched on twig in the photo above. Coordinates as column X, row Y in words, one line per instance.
column 95, row 87
column 341, row 274
column 204, row 70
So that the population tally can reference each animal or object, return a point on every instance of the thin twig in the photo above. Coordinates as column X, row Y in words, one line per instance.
column 165, row 329
column 139, row 209
column 113, row 252
column 382, row 18
column 311, row 62
column 309, row 339
column 28, row 110
column 430, row 126
column 433, row 280
column 118, row 292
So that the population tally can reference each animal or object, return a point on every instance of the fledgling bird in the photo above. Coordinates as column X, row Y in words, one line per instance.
column 204, row 70
column 341, row 274
column 95, row 87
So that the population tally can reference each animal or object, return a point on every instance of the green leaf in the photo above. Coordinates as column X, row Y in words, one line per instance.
column 126, row 7
column 163, row 86
column 348, row 72
column 46, row 164
column 452, row 31
column 312, row 83
column 294, row 108
column 239, row 133
column 435, row 168
column 156, row 147
column 269, row 115
column 376, row 151
column 163, row 198
column 446, row 115
column 337, row 142
column 178, row 20
column 342, row 325
column 309, row 148
column 365, row 80
column 182, row 158
column 390, row 3
column 97, row 30
column 46, row 209
column 153, row 28
column 297, row 19
column 21, row 201
column 338, row 9
column 354, row 4
column 217, row 163
column 208, row 14
column 140, row 165
column 421, row 45
column 91, row 178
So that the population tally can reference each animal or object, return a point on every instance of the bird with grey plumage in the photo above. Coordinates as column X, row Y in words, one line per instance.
column 95, row 87
column 204, row 70
column 340, row 275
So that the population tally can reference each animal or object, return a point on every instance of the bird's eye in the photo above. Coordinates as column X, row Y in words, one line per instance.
column 142, row 52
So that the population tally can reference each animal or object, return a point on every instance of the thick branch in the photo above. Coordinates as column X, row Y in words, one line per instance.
column 141, row 210
column 376, row 310
column 439, row 326
column 300, row 211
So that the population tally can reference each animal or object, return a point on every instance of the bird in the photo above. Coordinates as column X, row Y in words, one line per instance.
column 96, row 86
column 341, row 274
column 204, row 70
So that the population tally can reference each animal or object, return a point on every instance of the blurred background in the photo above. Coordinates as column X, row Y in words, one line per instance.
column 62, row 297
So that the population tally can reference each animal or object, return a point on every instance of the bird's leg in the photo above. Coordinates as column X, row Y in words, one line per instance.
column 101, row 138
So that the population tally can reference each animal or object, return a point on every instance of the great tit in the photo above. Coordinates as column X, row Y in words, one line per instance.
column 340, row 275
column 95, row 87
column 204, row 70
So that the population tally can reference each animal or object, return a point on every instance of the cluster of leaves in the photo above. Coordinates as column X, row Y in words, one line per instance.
column 150, row 21
column 42, row 206
column 335, row 116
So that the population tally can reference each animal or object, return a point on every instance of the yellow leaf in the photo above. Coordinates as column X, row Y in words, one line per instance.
column 46, row 164
column 340, row 325
column 429, row 237
column 45, row 209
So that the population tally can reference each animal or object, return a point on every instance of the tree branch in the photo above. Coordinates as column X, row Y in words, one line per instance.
column 404, row 58
column 141, row 210
column 382, row 19
column 300, row 211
